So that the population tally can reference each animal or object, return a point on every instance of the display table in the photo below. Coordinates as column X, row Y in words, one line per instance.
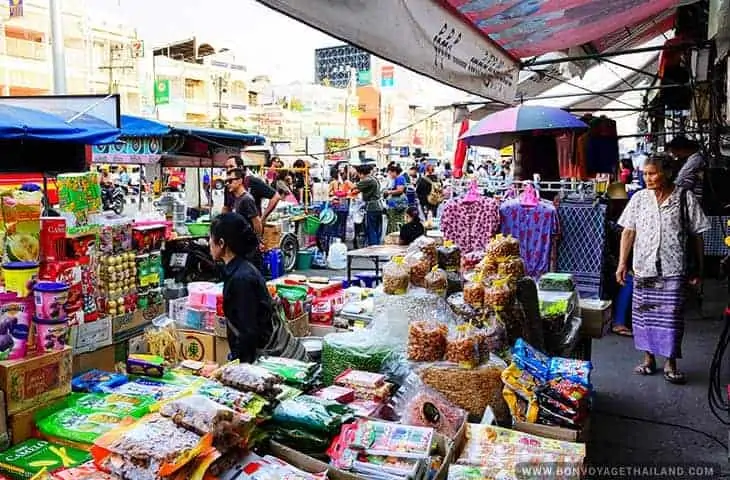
column 375, row 253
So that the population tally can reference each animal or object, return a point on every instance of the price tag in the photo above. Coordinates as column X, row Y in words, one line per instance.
column 178, row 260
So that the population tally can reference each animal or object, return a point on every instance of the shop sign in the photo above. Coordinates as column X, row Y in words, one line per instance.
column 334, row 148
column 130, row 150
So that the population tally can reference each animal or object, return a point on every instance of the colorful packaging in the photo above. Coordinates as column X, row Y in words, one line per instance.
column 97, row 381
column 51, row 335
column 50, row 300
column 22, row 212
column 15, row 318
column 28, row 458
column 147, row 365
column 78, row 425
column 391, row 439
column 571, row 369
column 336, row 393
column 357, row 378
column 115, row 403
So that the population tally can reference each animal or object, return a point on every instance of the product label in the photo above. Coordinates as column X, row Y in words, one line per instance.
column 41, row 380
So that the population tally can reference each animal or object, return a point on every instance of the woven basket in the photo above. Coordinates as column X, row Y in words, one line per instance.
column 299, row 327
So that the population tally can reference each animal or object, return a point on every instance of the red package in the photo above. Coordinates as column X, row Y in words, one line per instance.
column 336, row 393
column 358, row 378
column 53, row 239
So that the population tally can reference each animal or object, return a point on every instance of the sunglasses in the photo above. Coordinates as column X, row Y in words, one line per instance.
column 231, row 180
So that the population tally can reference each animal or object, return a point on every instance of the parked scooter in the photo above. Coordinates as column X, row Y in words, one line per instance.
column 189, row 260
column 112, row 198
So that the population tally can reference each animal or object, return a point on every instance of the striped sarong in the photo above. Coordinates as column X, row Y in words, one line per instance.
column 658, row 315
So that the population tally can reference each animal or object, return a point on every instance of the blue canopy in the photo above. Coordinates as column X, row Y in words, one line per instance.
column 18, row 123
column 213, row 133
column 142, row 127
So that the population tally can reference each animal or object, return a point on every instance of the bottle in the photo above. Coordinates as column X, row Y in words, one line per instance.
column 337, row 257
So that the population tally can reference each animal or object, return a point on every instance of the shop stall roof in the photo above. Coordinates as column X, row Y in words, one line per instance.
column 20, row 123
column 142, row 127
column 214, row 134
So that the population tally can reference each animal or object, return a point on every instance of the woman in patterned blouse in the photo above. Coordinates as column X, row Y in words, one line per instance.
column 661, row 224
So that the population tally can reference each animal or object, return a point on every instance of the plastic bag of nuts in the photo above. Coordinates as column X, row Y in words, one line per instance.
column 396, row 277
column 427, row 246
column 498, row 294
column 436, row 281
column 449, row 257
column 469, row 261
column 502, row 247
column 512, row 267
column 463, row 346
column 419, row 266
column 474, row 292
column 427, row 341
column 488, row 267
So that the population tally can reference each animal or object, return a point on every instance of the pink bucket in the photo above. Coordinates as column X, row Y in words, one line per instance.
column 50, row 300
column 15, row 317
column 51, row 335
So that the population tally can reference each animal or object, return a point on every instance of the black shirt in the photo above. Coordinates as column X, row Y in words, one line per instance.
column 245, row 205
column 258, row 190
column 411, row 231
column 247, row 306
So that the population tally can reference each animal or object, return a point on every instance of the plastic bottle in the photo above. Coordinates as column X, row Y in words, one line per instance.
column 337, row 257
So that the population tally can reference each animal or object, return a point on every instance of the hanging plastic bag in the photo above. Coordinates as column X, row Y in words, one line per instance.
column 396, row 277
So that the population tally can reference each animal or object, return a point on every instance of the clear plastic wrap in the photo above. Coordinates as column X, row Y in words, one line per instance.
column 462, row 346
column 557, row 282
column 427, row 246
column 512, row 267
column 312, row 414
column 487, row 267
column 497, row 293
column 419, row 265
column 469, row 261
column 250, row 378
column 474, row 293
column 360, row 350
column 471, row 389
column 427, row 341
column 449, row 257
column 436, row 281
column 454, row 283
column 396, row 277
column 419, row 405
column 293, row 372
column 464, row 312
column 493, row 336
column 502, row 247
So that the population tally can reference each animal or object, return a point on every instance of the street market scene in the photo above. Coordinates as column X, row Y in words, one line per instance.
column 411, row 239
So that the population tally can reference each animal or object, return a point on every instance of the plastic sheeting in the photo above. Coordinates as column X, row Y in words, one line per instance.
column 19, row 123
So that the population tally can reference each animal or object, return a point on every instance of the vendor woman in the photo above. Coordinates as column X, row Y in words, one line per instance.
column 254, row 326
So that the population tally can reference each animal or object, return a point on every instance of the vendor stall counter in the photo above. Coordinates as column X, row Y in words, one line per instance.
column 376, row 253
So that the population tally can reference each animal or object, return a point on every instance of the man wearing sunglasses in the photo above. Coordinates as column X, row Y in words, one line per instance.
column 256, row 187
column 243, row 204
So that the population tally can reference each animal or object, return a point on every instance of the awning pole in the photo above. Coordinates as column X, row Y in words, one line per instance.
column 633, row 69
column 59, row 55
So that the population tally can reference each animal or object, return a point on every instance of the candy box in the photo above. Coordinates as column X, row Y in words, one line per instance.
column 97, row 381
column 148, row 238
column 25, row 460
column 35, row 380
column 147, row 365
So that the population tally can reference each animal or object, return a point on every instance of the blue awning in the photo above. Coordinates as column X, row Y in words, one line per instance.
column 18, row 123
column 214, row 133
column 142, row 127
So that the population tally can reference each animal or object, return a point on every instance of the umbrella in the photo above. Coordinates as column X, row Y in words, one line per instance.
column 504, row 128
column 19, row 123
column 461, row 148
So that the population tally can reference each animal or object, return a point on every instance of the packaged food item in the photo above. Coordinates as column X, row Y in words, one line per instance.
column 396, row 277
column 76, row 425
column 522, row 409
column 463, row 311
column 97, row 381
column 336, row 393
column 474, row 293
column 147, row 365
column 312, row 414
column 469, row 261
column 287, row 393
column 512, row 267
column 293, row 372
column 365, row 408
column 158, row 390
column 419, row 265
column 557, row 282
column 498, row 294
column 570, row 393
column 419, row 405
column 30, row 457
column 392, row 439
column 250, row 378
column 427, row 341
column 87, row 471
column 502, row 247
column 571, row 369
column 488, row 267
column 299, row 439
column 356, row 350
column 436, row 281
column 493, row 335
column 471, row 389
column 462, row 346
column 454, row 283
column 125, row 405
column 22, row 214
column 449, row 257
column 243, row 402
column 356, row 378
column 520, row 381
column 532, row 360
column 427, row 246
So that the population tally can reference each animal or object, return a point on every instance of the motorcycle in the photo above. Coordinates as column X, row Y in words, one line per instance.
column 189, row 260
column 112, row 198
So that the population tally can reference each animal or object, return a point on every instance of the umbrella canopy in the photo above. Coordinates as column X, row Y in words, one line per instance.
column 504, row 128
column 18, row 123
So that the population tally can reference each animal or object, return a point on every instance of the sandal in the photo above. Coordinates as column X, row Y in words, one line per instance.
column 622, row 331
column 675, row 377
column 645, row 369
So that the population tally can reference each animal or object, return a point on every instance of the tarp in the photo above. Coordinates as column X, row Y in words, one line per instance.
column 527, row 28
column 421, row 35
column 18, row 123
column 142, row 127
column 214, row 133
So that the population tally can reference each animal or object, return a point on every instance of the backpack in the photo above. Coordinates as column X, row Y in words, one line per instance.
column 436, row 195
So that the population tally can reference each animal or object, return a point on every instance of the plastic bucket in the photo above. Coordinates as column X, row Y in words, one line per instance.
column 50, row 300
column 304, row 260
column 311, row 225
column 51, row 335
column 367, row 280
column 19, row 276
column 15, row 317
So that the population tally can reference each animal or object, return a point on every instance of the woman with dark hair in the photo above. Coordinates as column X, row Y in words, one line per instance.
column 413, row 228
column 663, row 226
column 255, row 325
column 299, row 179
column 369, row 188
column 626, row 171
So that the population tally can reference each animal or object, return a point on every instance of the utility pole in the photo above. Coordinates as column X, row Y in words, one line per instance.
column 221, row 85
column 58, row 48
column 115, row 52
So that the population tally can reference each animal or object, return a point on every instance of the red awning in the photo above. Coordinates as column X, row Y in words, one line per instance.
column 527, row 28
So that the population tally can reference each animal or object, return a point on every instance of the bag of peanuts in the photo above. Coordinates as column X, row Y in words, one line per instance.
column 436, row 281
column 512, row 267
column 462, row 346
column 427, row 341
column 469, row 261
column 396, row 277
column 502, row 247
column 427, row 246
column 474, row 292
column 498, row 294
column 419, row 265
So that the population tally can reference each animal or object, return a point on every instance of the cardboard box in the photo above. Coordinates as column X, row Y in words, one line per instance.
column 93, row 336
column 556, row 433
column 596, row 316
column 136, row 319
column 221, row 350
column 4, row 431
column 35, row 380
column 102, row 359
column 198, row 346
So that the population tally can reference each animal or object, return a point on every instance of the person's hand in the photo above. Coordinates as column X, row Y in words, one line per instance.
column 621, row 274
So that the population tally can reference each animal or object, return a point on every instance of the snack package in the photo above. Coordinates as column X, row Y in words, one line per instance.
column 147, row 365
column 521, row 409
column 420, row 405
column 243, row 402
column 520, row 381
column 396, row 277
column 360, row 350
column 571, row 369
column 512, row 267
column 77, row 425
column 299, row 439
column 359, row 379
column 97, row 381
column 463, row 311
column 427, row 341
column 87, row 471
column 574, row 395
column 493, row 335
column 469, row 261
column 30, row 457
column 391, row 439
column 312, row 413
column 419, row 265
column 133, row 406
column 427, row 246
column 365, row 408
column 462, row 346
column 502, row 247
column 22, row 213
column 454, row 283
column 293, row 372
column 474, row 291
column 436, row 281
column 250, row 378
column 488, row 267
column 337, row 394
column 449, row 257
column 158, row 390
column 557, row 282
column 498, row 294
column 532, row 360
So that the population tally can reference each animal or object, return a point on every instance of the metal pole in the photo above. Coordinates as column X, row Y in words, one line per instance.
column 59, row 55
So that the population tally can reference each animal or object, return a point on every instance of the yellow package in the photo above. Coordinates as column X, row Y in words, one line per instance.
column 520, row 381
column 22, row 212
column 522, row 410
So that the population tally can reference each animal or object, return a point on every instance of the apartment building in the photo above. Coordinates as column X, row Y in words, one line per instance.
column 98, row 53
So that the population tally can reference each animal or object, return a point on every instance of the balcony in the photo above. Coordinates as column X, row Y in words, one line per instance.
column 24, row 49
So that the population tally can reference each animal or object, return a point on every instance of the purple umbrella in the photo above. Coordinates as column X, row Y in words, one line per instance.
column 504, row 128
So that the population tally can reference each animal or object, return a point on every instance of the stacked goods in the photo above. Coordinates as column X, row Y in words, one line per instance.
column 245, row 403
column 436, row 281
column 33, row 456
column 118, row 283
column 494, row 452
column 449, row 257
column 355, row 350
column 298, row 374
column 427, row 341
column 251, row 378
column 79, row 194
column 557, row 282
column 21, row 212
column 365, row 385
column 428, row 247
column 396, row 277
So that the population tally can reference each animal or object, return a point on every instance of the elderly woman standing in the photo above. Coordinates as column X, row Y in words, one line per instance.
column 662, row 224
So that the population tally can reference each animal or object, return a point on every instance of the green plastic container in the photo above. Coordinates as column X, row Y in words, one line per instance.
column 311, row 225
column 304, row 260
column 199, row 229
